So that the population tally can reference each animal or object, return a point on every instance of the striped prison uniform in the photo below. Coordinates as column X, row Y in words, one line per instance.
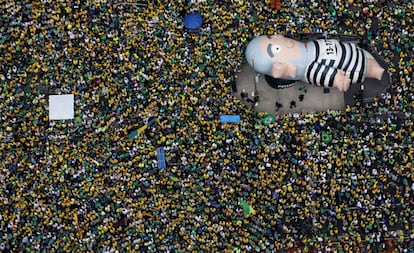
column 334, row 55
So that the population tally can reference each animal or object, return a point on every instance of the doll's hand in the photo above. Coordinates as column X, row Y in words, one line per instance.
column 341, row 81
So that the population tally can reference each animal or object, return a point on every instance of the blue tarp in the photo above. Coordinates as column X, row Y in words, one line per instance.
column 161, row 158
column 230, row 118
column 193, row 21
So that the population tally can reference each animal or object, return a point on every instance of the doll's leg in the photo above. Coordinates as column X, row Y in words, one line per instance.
column 374, row 70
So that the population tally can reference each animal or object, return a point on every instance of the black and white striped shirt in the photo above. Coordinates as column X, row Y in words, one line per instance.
column 334, row 55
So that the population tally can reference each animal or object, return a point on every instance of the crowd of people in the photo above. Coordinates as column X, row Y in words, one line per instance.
column 332, row 180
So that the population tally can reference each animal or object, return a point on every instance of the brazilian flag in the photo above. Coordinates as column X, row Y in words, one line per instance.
column 133, row 134
column 247, row 209
column 151, row 121
column 140, row 130
column 326, row 137
column 173, row 178
column 268, row 119
column 78, row 120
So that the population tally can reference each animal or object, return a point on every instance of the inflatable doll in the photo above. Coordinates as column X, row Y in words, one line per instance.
column 323, row 62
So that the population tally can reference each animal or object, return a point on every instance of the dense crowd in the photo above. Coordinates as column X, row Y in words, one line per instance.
column 306, row 180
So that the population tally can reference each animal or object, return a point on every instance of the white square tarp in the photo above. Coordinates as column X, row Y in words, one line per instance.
column 61, row 107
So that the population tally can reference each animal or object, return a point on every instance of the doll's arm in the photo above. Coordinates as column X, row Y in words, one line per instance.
column 326, row 76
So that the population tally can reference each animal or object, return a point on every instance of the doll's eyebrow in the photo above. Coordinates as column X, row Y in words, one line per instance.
column 269, row 50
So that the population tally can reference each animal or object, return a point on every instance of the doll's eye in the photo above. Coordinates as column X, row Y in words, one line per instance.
column 277, row 49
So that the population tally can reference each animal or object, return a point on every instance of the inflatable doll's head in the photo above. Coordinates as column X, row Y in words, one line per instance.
column 256, row 58
column 273, row 56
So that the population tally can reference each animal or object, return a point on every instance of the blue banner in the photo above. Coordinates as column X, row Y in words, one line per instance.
column 230, row 118
column 161, row 158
